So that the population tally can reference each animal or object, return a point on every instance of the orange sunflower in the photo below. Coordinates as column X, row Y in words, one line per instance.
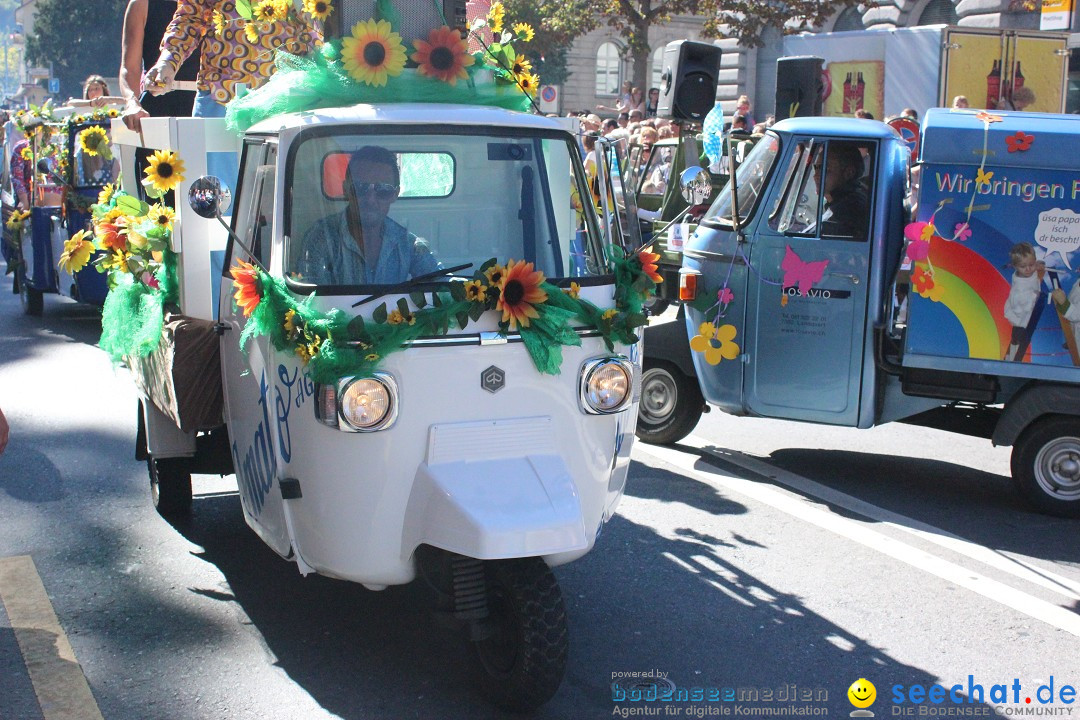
column 373, row 52
column 648, row 259
column 444, row 55
column 246, row 282
column 519, row 293
column 111, row 234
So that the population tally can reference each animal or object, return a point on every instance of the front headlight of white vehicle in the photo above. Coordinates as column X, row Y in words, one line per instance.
column 606, row 385
column 367, row 404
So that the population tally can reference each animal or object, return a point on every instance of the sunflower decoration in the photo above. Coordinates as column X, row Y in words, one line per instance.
column 246, row 282
column 95, row 141
column 521, row 66
column 105, row 194
column 77, row 252
column 162, row 216
column 26, row 153
column 476, row 291
column 716, row 343
column 520, row 293
column 648, row 260
column 444, row 55
column 219, row 23
column 318, row 9
column 270, row 11
column 113, row 235
column 528, row 83
column 165, row 171
column 524, row 31
column 496, row 17
column 373, row 52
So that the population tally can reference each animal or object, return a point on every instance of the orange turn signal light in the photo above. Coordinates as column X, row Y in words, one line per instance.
column 687, row 286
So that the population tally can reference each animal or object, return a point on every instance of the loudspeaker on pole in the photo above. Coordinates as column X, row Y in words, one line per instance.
column 799, row 86
column 688, row 80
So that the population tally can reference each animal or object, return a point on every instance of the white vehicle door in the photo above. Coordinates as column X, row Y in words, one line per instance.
column 249, row 374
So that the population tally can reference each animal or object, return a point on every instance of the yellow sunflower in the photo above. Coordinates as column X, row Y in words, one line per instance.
column 496, row 15
column 251, row 32
column 524, row 31
column 373, row 52
column 476, row 291
column 528, row 83
column 162, row 215
column 27, row 153
column 95, row 141
column 77, row 252
column 105, row 194
column 444, row 55
column 219, row 22
column 318, row 9
column 166, row 170
column 521, row 66
column 269, row 11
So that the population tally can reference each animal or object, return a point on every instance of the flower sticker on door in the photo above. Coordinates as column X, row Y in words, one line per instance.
column 716, row 343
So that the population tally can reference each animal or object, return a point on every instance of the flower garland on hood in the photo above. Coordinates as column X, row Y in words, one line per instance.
column 333, row 345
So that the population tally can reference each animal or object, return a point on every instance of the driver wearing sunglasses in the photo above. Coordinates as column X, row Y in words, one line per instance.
column 362, row 245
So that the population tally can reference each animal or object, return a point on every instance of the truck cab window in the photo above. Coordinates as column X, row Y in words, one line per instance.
column 828, row 191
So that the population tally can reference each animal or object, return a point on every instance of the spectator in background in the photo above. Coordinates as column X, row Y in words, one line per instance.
column 742, row 106
column 1021, row 98
column 960, row 102
column 624, row 119
column 652, row 102
column 95, row 94
column 609, row 126
column 144, row 26
column 738, row 124
column 910, row 114
column 864, row 114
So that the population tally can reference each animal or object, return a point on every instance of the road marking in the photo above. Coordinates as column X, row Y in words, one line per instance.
column 808, row 511
column 59, row 683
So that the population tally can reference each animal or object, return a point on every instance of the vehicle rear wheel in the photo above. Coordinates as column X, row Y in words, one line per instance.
column 523, row 659
column 1046, row 465
column 170, row 486
column 671, row 404
column 33, row 301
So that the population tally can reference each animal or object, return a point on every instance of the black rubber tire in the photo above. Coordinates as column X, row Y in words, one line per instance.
column 521, row 665
column 1046, row 465
column 671, row 404
column 33, row 301
column 170, row 486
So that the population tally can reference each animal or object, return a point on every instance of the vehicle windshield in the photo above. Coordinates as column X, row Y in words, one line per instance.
column 382, row 209
column 751, row 176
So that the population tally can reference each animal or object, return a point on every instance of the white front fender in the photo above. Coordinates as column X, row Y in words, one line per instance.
column 496, row 508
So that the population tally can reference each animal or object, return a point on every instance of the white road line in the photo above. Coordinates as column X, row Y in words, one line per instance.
column 824, row 518
column 1007, row 563
column 57, row 677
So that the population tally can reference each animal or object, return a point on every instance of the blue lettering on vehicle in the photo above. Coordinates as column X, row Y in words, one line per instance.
column 284, row 404
column 255, row 467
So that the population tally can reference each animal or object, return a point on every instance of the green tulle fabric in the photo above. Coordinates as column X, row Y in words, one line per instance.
column 133, row 314
column 320, row 81
column 336, row 345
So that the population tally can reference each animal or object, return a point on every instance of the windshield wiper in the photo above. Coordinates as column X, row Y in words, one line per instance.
column 416, row 281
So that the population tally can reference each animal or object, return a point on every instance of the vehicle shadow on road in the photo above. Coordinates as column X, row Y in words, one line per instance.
column 979, row 506
column 362, row 654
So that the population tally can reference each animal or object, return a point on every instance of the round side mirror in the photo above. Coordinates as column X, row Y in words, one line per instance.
column 695, row 185
column 209, row 197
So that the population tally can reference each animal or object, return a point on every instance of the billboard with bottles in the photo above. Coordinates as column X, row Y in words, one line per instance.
column 990, row 68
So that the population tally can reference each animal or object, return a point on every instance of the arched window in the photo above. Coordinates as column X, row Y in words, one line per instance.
column 938, row 12
column 657, row 68
column 849, row 19
column 608, row 69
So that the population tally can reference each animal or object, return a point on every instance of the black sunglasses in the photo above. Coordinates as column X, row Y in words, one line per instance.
column 383, row 191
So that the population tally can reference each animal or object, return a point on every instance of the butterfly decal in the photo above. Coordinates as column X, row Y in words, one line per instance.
column 801, row 273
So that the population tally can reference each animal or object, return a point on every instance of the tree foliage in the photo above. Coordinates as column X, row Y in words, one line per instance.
column 741, row 19
column 79, row 38
column 557, row 23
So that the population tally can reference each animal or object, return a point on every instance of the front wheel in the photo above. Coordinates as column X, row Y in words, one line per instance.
column 671, row 404
column 522, row 661
column 1046, row 465
column 170, row 486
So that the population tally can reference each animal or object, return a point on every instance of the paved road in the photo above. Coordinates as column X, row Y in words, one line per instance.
column 758, row 556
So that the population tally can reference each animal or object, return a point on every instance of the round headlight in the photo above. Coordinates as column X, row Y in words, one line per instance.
column 366, row 403
column 607, row 386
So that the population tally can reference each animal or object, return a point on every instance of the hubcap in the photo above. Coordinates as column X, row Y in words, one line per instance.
column 658, row 395
column 1057, row 468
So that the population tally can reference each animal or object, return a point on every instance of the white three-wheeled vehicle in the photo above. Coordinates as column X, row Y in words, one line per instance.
column 451, row 457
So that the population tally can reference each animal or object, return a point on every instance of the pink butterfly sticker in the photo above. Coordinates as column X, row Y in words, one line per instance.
column 801, row 273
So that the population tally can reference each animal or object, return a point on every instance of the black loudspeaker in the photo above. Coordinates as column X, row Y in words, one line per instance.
column 688, row 80
column 799, row 87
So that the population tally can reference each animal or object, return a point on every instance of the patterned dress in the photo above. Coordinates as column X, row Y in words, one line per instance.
column 229, row 57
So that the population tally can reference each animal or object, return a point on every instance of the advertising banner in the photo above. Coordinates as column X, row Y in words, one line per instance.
column 1000, row 279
